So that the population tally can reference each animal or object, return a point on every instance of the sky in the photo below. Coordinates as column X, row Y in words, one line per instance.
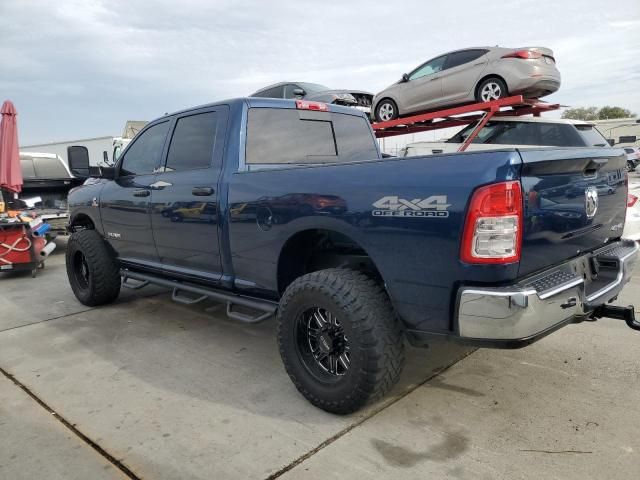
column 80, row 68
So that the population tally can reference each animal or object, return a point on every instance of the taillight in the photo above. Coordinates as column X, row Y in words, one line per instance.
column 631, row 200
column 306, row 105
column 525, row 54
column 493, row 227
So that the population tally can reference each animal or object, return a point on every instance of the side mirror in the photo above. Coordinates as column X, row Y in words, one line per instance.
column 78, row 157
column 611, row 141
column 405, row 77
column 298, row 92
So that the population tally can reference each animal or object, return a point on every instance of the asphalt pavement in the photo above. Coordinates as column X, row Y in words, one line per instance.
column 146, row 388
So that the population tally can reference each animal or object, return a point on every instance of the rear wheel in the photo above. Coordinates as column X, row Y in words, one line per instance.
column 339, row 339
column 630, row 166
column 490, row 89
column 92, row 270
column 386, row 110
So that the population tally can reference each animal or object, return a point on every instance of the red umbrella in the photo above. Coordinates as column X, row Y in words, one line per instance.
column 10, row 171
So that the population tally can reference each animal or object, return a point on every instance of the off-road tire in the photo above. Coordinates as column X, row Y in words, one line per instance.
column 373, row 330
column 102, row 283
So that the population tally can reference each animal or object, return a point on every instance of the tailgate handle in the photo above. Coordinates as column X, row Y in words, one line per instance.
column 593, row 166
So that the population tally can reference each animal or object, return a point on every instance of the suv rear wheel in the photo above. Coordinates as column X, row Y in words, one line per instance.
column 93, row 273
column 339, row 339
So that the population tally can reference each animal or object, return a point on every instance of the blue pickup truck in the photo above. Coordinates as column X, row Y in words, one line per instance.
column 287, row 208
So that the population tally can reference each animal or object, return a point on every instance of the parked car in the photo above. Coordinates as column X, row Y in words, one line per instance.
column 633, row 157
column 467, row 76
column 353, row 251
column 516, row 132
column 45, row 175
column 317, row 93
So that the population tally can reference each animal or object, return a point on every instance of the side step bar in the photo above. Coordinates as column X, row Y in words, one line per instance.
column 266, row 308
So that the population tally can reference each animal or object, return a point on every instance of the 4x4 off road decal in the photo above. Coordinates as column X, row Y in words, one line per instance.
column 434, row 206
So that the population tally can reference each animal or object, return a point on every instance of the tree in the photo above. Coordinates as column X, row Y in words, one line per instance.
column 614, row 112
column 593, row 113
column 581, row 113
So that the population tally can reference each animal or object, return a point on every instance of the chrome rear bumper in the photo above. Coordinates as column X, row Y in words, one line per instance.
column 547, row 300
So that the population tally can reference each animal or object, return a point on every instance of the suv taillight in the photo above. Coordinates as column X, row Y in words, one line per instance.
column 525, row 54
column 493, row 227
column 631, row 200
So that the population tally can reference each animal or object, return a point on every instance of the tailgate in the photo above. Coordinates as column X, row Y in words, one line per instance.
column 575, row 201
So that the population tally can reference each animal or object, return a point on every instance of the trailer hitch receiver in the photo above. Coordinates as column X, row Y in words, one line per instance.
column 621, row 313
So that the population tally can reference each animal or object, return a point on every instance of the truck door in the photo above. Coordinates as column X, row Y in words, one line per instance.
column 125, row 202
column 185, row 215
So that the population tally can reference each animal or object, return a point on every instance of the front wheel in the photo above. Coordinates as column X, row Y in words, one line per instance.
column 386, row 110
column 339, row 339
column 92, row 270
column 491, row 89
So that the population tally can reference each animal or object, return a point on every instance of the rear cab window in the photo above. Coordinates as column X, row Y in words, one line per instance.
column 285, row 137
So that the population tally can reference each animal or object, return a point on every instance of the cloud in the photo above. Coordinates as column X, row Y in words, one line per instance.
column 82, row 68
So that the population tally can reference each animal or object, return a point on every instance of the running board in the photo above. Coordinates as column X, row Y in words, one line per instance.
column 266, row 308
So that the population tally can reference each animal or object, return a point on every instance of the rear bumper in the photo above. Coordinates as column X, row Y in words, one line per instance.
column 517, row 315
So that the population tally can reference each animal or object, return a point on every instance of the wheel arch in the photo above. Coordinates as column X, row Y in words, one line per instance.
column 82, row 221
column 388, row 97
column 486, row 77
column 316, row 249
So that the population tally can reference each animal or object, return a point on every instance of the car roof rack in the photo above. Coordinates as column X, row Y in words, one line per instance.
column 515, row 105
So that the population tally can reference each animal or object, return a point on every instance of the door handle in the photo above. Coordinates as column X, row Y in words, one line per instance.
column 202, row 191
column 160, row 184
column 141, row 193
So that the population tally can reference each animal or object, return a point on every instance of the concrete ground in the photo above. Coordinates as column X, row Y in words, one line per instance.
column 146, row 388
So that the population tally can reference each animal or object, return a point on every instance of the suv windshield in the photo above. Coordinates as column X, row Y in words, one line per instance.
column 533, row 133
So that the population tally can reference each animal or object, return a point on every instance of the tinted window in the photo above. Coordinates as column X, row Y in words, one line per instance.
column 288, row 90
column 433, row 66
column 275, row 92
column 28, row 170
column 591, row 136
column 279, row 136
column 354, row 138
column 192, row 142
column 466, row 56
column 143, row 156
column 49, row 168
column 525, row 133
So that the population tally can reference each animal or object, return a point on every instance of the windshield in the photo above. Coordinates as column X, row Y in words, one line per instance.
column 313, row 87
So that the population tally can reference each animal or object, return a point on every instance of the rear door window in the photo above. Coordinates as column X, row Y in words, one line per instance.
column 192, row 142
column 275, row 92
column 143, row 156
column 287, row 136
column 592, row 137
column 460, row 58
